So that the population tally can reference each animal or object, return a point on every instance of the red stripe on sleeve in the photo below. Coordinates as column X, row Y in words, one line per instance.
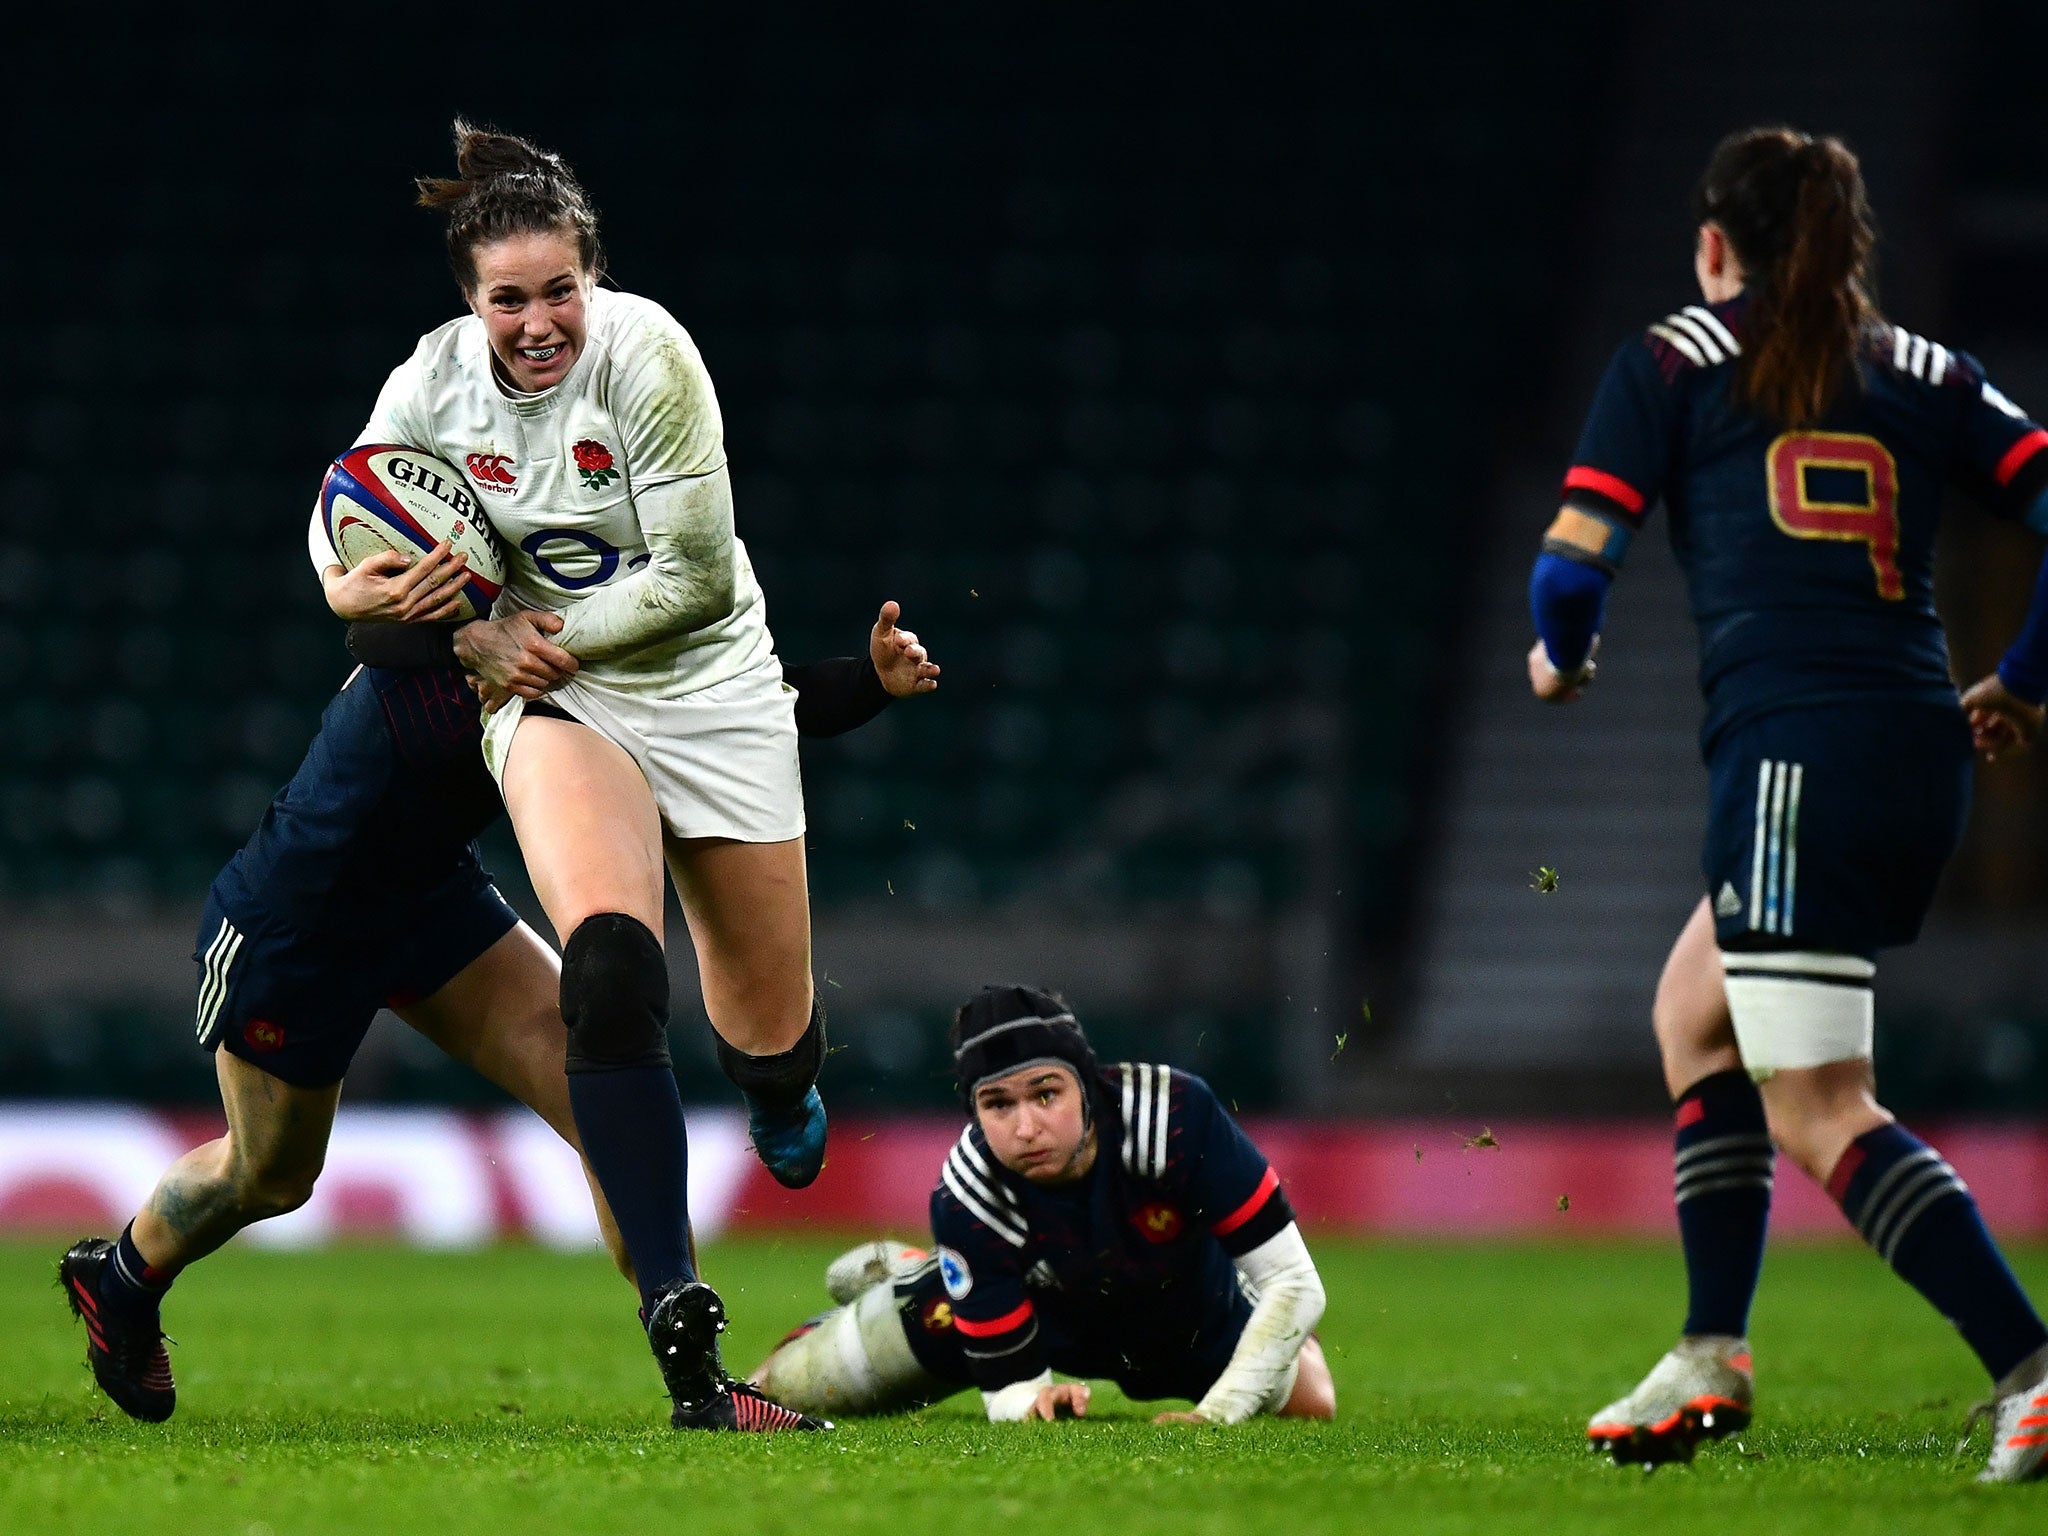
column 1251, row 1207
column 1691, row 1112
column 1003, row 1324
column 2017, row 455
column 1583, row 477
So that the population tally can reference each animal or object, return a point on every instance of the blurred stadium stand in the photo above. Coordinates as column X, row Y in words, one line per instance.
column 1198, row 395
column 1548, row 1000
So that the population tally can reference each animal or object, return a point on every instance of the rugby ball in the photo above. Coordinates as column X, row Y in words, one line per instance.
column 381, row 496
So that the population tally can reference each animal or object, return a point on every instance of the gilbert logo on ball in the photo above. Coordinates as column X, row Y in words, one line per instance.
column 382, row 496
column 594, row 464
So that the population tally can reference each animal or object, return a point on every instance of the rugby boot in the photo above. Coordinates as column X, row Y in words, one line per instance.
column 126, row 1353
column 870, row 1264
column 741, row 1406
column 790, row 1142
column 1702, row 1390
column 2019, row 1424
column 683, row 1327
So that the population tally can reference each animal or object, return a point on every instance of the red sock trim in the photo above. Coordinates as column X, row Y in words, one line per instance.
column 1845, row 1170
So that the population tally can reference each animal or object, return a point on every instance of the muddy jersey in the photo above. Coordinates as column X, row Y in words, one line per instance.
column 557, row 472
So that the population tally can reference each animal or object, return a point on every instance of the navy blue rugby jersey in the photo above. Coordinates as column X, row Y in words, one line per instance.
column 383, row 813
column 1128, row 1263
column 1808, row 555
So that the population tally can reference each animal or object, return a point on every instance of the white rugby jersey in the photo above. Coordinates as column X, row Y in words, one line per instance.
column 557, row 471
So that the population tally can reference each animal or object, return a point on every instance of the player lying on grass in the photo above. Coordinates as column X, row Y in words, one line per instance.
column 1109, row 1222
column 362, row 889
column 1805, row 445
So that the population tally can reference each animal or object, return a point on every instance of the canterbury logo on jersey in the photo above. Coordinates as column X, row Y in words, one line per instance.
column 1923, row 359
column 975, row 1185
column 1696, row 334
column 491, row 471
column 1145, row 1110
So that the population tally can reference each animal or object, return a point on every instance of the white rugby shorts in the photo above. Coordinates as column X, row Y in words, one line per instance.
column 722, row 761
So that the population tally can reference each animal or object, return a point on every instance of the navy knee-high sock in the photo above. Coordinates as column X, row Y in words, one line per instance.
column 631, row 1125
column 1910, row 1206
column 622, row 1091
column 1722, row 1159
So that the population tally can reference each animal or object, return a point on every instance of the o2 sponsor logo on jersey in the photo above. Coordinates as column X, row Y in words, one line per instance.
column 958, row 1277
column 491, row 472
column 606, row 552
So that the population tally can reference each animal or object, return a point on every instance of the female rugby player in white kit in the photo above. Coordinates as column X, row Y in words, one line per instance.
column 638, row 715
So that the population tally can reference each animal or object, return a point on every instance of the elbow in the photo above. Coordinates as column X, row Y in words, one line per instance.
column 710, row 599
column 721, row 599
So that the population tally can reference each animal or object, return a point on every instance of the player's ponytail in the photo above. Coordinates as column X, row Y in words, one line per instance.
column 504, row 185
column 1795, row 211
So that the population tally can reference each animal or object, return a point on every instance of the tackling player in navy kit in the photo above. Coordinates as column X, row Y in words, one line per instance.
column 1802, row 445
column 362, row 889
column 1107, row 1222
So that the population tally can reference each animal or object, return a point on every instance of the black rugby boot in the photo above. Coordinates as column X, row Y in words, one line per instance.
column 126, row 1353
column 683, row 1327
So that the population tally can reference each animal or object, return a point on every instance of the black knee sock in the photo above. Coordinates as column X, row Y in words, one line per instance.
column 1910, row 1206
column 783, row 1080
column 1723, row 1162
column 129, row 1282
column 623, row 1093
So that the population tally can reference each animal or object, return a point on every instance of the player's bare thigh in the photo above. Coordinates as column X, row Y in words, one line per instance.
column 1315, row 1394
column 1695, row 1034
column 586, row 822
column 499, row 1015
column 749, row 914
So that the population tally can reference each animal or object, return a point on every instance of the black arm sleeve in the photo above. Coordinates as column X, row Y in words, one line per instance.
column 833, row 697
column 403, row 647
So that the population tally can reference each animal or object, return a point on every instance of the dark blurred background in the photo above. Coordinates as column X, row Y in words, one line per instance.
column 1199, row 386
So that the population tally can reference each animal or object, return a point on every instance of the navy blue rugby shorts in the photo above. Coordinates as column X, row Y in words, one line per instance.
column 1830, row 824
column 1182, row 1368
column 297, row 1004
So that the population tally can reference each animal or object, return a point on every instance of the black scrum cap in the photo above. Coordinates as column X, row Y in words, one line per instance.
column 1005, row 1028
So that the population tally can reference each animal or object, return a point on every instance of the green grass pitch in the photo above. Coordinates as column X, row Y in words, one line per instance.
column 377, row 1390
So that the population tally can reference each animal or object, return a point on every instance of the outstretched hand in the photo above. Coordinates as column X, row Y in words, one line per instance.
column 1553, row 686
column 2000, row 720
column 900, row 661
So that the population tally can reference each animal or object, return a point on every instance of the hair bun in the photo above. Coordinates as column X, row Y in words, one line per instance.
column 506, row 185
